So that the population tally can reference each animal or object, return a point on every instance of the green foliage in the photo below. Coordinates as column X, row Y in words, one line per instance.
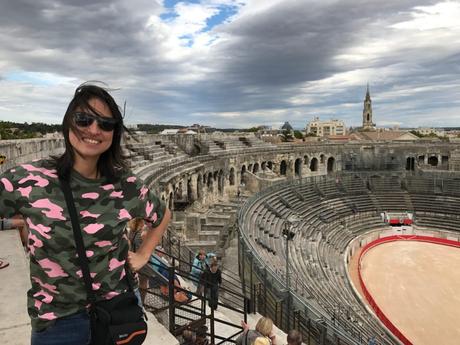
column 286, row 136
column 298, row 135
column 13, row 130
column 251, row 130
column 420, row 135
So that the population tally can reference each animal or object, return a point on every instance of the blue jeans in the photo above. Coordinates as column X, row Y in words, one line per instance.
column 70, row 330
column 137, row 292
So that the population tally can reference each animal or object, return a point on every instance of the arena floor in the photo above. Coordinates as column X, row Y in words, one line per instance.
column 417, row 286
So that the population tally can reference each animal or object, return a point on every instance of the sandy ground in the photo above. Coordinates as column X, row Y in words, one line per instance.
column 417, row 286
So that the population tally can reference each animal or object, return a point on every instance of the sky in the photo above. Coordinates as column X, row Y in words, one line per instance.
column 235, row 63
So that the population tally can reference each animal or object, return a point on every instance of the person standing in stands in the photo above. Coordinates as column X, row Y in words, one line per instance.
column 211, row 280
column 107, row 195
column 200, row 264
column 202, row 335
column 188, row 337
column 294, row 337
column 372, row 341
column 262, row 335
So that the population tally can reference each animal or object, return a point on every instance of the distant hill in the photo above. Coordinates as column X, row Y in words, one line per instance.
column 14, row 130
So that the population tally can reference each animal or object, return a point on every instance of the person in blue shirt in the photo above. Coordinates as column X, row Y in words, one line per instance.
column 200, row 264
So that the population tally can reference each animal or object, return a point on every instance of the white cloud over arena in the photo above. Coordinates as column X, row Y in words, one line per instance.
column 235, row 63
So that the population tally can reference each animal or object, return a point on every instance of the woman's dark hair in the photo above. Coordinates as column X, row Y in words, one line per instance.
column 111, row 163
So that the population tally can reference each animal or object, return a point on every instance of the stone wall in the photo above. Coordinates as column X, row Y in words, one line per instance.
column 26, row 150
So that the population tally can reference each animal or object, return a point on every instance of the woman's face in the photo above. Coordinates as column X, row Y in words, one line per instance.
column 92, row 141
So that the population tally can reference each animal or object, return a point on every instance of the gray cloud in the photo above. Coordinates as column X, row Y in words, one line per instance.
column 289, row 62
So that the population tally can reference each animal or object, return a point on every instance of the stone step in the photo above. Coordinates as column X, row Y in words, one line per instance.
column 208, row 235
column 218, row 219
column 230, row 204
column 196, row 244
column 213, row 227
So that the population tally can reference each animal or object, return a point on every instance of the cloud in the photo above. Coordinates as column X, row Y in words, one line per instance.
column 234, row 62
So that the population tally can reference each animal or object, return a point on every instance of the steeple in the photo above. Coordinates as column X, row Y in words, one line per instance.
column 368, row 125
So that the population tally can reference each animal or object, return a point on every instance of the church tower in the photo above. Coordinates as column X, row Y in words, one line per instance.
column 368, row 125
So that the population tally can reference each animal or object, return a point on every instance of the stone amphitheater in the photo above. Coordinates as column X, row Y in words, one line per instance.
column 237, row 190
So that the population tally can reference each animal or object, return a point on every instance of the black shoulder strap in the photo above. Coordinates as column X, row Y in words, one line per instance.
column 82, row 258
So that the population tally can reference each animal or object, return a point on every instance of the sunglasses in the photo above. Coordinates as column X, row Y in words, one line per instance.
column 107, row 124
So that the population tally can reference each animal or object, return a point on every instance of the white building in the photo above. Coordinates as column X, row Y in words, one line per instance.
column 326, row 128
column 428, row 131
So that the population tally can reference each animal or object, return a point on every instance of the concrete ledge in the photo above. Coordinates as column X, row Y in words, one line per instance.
column 14, row 320
column 157, row 333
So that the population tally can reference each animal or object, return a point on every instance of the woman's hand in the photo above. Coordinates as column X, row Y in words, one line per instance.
column 136, row 260
column 245, row 326
column 272, row 337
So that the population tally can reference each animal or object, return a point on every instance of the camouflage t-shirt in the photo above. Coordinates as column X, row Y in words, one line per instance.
column 58, row 289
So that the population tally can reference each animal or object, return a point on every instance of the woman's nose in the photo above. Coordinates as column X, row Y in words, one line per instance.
column 94, row 127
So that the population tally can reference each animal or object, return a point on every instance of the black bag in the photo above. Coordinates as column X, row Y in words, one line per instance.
column 118, row 321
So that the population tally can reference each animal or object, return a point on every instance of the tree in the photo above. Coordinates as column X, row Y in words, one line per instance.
column 298, row 135
column 286, row 136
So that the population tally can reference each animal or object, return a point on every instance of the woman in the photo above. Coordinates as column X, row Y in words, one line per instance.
column 106, row 195
column 262, row 335
column 200, row 264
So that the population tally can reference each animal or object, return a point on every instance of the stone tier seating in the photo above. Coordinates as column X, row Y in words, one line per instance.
column 157, row 157
column 334, row 212
column 219, row 144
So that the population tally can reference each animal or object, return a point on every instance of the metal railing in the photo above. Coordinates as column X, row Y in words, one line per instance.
column 192, row 313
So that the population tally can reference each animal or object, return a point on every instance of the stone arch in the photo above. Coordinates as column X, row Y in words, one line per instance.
column 250, row 167
column 433, row 161
column 305, row 159
column 255, row 168
column 210, row 180
column 178, row 191
column 314, row 164
column 270, row 165
column 263, row 165
column 283, row 167
column 243, row 174
column 298, row 167
column 199, row 186
column 189, row 190
column 322, row 158
column 231, row 178
column 330, row 165
column 220, row 181
column 410, row 163
column 171, row 201
column 421, row 159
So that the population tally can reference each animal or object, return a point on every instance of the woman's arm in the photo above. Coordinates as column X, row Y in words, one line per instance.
column 153, row 237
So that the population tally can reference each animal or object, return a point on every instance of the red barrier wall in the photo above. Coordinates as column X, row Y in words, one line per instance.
column 368, row 296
